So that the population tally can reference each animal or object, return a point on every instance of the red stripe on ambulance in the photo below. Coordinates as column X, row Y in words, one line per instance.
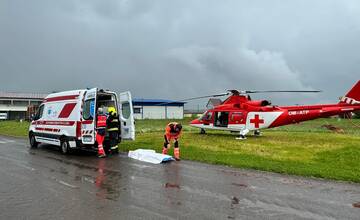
column 67, row 109
column 48, row 129
column 60, row 123
column 61, row 98
column 87, row 122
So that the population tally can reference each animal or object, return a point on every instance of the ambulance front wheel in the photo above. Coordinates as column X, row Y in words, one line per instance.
column 202, row 131
column 33, row 143
column 64, row 147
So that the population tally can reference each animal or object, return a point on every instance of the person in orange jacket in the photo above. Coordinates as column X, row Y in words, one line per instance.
column 172, row 132
column 100, row 131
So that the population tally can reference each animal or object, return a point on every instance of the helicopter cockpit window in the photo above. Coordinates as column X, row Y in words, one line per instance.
column 207, row 116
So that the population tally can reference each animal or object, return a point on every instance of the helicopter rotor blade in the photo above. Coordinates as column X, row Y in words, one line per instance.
column 207, row 96
column 279, row 91
column 195, row 98
column 238, row 92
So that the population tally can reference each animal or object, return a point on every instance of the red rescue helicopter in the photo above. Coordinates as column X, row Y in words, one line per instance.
column 238, row 113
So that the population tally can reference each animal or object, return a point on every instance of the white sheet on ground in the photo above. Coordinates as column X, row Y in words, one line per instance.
column 149, row 156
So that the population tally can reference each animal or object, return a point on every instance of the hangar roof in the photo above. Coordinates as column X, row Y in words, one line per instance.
column 16, row 95
column 156, row 102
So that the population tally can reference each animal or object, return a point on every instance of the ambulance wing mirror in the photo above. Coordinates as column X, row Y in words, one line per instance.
column 127, row 116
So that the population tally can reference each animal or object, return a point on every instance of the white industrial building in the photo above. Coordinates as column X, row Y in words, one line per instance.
column 158, row 109
column 13, row 106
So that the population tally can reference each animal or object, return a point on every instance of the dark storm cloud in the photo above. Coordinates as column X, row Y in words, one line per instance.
column 177, row 49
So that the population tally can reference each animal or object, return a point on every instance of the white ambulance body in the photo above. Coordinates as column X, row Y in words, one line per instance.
column 68, row 119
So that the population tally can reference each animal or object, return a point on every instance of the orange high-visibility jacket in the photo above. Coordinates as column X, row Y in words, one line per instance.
column 171, row 134
column 101, row 121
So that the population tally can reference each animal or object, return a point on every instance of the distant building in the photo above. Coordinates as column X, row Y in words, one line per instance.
column 212, row 103
column 190, row 113
column 13, row 106
column 158, row 109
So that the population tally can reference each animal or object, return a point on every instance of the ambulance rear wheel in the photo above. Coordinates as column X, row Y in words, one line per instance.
column 65, row 148
column 33, row 143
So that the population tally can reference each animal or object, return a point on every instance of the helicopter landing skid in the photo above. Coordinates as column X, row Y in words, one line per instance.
column 242, row 134
column 241, row 137
column 257, row 133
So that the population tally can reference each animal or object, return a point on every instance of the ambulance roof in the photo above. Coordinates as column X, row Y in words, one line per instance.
column 65, row 93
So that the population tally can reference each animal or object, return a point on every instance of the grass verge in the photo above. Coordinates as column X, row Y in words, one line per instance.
column 306, row 149
column 14, row 128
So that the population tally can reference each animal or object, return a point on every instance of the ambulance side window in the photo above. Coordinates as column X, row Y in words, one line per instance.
column 89, row 109
column 39, row 113
column 126, row 111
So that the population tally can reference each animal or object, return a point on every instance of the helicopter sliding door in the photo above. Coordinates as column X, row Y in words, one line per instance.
column 221, row 119
column 237, row 120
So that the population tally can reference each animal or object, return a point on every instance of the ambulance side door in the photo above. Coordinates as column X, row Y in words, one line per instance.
column 126, row 116
column 89, row 117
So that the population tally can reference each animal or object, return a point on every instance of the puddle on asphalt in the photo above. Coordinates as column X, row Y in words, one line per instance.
column 172, row 185
column 178, row 203
column 78, row 165
column 356, row 205
column 63, row 171
column 233, row 173
column 108, row 172
column 85, row 179
column 235, row 200
column 239, row 185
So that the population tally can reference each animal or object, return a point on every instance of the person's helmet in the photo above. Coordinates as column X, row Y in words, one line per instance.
column 100, row 111
column 111, row 110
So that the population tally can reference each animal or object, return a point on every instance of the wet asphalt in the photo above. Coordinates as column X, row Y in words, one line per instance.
column 44, row 184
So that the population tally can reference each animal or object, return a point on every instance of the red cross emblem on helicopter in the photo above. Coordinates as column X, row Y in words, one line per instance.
column 257, row 121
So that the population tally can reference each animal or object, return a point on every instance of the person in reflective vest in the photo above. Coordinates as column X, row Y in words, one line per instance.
column 100, row 131
column 113, row 123
column 172, row 132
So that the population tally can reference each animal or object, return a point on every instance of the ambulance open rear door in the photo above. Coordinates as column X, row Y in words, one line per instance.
column 127, row 116
column 89, row 117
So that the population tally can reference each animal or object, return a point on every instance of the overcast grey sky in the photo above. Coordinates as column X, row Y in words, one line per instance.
column 178, row 49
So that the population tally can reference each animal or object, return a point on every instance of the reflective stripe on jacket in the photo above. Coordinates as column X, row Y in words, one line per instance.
column 113, row 123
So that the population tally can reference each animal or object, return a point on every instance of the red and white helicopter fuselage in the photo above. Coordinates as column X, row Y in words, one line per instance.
column 240, row 114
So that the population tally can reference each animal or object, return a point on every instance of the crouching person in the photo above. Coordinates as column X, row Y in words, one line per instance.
column 172, row 132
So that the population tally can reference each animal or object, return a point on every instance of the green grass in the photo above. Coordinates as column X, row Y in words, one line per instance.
column 14, row 128
column 305, row 149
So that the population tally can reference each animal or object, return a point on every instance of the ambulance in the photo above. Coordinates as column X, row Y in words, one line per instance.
column 68, row 119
